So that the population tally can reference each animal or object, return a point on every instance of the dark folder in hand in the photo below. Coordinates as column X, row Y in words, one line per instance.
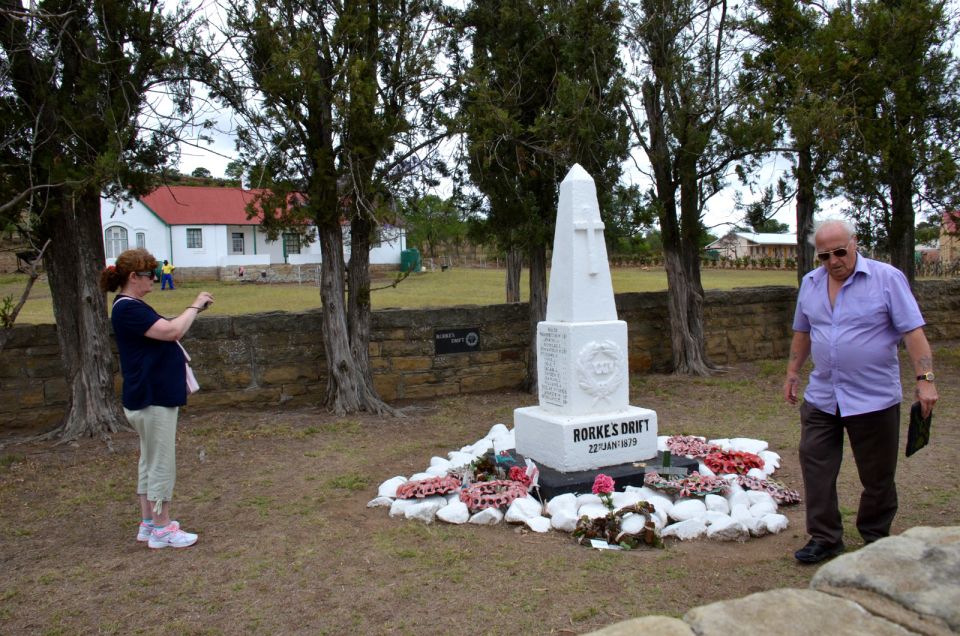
column 919, row 433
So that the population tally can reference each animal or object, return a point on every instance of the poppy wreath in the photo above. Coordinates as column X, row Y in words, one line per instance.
column 519, row 474
column 780, row 493
column 732, row 462
column 693, row 485
column 427, row 487
column 492, row 494
column 690, row 446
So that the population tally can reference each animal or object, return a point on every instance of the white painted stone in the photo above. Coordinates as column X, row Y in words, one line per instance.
column 583, row 420
column 498, row 430
column 426, row 509
column 685, row 530
column 538, row 524
column 770, row 459
column 662, row 442
column 728, row 531
column 624, row 499
column 760, row 496
column 564, row 519
column 522, row 509
column 588, row 498
column 458, row 459
column 717, row 503
column 399, row 507
column 775, row 523
column 661, row 504
column 748, row 445
column 566, row 501
column 487, row 517
column 756, row 473
column 389, row 487
column 421, row 476
column 738, row 497
column 436, row 471
column 439, row 461
column 740, row 512
column 633, row 524
column 703, row 469
column 711, row 517
column 722, row 442
column 380, row 502
column 685, row 509
column 455, row 512
column 593, row 511
column 763, row 508
column 756, row 525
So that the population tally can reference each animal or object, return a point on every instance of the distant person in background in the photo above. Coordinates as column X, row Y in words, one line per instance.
column 851, row 315
column 167, row 276
column 153, row 366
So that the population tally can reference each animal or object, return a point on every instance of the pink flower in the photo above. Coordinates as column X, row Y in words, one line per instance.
column 603, row 485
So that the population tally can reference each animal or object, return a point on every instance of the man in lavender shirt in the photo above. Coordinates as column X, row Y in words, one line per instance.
column 851, row 314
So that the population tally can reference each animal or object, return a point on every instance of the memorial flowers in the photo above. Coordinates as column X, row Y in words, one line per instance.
column 693, row 485
column 732, row 462
column 603, row 486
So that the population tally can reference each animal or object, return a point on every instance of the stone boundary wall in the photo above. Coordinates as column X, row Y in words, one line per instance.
column 277, row 358
column 307, row 273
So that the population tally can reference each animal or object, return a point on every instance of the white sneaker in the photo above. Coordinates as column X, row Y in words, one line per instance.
column 171, row 537
column 143, row 532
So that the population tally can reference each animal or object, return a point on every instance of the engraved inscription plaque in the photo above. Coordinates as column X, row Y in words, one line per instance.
column 555, row 360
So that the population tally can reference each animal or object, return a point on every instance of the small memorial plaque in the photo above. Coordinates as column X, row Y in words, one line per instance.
column 456, row 340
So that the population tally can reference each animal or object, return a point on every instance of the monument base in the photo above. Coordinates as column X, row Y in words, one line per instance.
column 585, row 442
column 553, row 483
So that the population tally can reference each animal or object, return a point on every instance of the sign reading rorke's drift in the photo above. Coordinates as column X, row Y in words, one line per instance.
column 584, row 420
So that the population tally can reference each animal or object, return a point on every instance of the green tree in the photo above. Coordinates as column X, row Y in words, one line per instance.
column 543, row 92
column 78, row 81
column 201, row 173
column 792, row 74
column 337, row 106
column 691, row 121
column 433, row 222
column 903, row 141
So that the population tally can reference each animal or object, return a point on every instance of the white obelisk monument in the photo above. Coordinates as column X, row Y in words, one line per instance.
column 584, row 420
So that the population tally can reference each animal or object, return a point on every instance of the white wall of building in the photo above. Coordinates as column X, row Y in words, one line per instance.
column 133, row 218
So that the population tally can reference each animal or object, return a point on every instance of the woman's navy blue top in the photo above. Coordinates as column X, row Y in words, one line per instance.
column 154, row 371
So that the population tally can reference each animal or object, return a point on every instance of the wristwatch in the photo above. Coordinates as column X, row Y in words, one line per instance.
column 928, row 376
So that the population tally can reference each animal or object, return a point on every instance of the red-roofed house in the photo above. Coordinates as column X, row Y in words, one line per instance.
column 193, row 226
column 950, row 237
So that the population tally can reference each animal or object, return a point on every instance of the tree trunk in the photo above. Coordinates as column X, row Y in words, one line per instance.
column 345, row 384
column 74, row 262
column 538, row 309
column 806, row 205
column 514, row 267
column 901, row 229
column 358, row 314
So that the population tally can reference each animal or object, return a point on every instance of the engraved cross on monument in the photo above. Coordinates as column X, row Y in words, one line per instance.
column 584, row 420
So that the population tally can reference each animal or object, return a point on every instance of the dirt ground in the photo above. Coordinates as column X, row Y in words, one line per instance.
column 287, row 545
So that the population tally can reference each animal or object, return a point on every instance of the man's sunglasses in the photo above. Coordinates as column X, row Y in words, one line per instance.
column 145, row 274
column 840, row 252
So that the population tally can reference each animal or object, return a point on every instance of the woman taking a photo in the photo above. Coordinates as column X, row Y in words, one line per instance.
column 153, row 365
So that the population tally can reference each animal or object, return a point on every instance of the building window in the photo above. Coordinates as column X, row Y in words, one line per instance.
column 291, row 243
column 141, row 240
column 236, row 240
column 115, row 239
column 194, row 237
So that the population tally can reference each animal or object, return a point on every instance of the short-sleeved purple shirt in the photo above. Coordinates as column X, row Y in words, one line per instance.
column 854, row 344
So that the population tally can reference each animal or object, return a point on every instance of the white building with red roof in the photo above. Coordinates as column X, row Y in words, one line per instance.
column 207, row 226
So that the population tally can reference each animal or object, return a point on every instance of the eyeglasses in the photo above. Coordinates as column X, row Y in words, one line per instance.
column 144, row 274
column 840, row 252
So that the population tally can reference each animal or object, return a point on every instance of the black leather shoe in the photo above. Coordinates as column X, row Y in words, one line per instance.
column 815, row 552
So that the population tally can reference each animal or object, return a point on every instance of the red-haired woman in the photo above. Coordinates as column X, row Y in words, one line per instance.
column 153, row 366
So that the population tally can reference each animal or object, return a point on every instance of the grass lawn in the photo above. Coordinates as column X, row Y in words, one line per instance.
column 458, row 286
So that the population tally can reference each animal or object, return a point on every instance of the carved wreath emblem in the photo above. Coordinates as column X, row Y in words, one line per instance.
column 599, row 369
